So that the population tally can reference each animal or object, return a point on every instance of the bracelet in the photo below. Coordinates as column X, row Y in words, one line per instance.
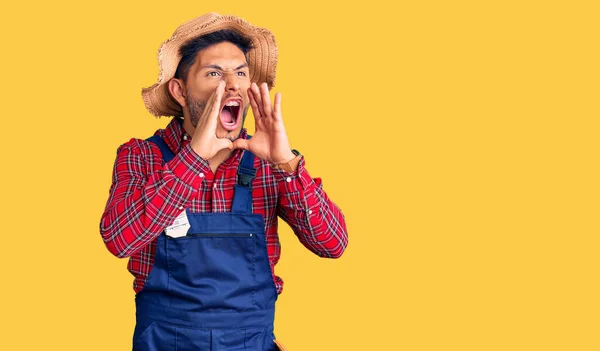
column 286, row 165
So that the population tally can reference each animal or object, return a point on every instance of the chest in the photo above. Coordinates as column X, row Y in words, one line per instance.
column 217, row 190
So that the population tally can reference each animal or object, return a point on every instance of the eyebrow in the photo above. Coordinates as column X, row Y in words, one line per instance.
column 221, row 69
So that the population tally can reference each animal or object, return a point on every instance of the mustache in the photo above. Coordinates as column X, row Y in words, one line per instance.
column 225, row 97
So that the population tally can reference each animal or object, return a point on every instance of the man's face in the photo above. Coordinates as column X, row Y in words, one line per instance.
column 223, row 61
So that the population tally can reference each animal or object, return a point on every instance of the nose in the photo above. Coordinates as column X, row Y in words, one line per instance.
column 231, row 81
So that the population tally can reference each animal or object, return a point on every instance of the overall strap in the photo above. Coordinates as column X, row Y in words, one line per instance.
column 167, row 154
column 242, row 196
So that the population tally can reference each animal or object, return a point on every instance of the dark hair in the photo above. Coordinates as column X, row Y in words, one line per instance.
column 189, row 51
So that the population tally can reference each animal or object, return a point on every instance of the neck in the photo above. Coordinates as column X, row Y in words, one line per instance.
column 188, row 127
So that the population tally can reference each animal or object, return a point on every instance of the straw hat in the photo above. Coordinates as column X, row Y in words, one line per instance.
column 262, row 58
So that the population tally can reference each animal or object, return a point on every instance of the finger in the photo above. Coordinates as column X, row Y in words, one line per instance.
column 258, row 118
column 218, row 96
column 266, row 100
column 208, row 107
column 241, row 144
column 258, row 99
column 254, row 105
column 277, row 107
column 214, row 104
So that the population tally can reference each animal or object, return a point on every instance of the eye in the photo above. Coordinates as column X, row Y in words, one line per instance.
column 213, row 74
column 241, row 74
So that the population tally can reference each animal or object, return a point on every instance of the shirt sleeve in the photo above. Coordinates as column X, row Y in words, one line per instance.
column 318, row 223
column 146, row 196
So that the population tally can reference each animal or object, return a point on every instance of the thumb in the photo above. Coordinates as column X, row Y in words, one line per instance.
column 241, row 144
column 222, row 143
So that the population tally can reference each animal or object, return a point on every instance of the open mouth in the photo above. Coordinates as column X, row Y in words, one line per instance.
column 230, row 114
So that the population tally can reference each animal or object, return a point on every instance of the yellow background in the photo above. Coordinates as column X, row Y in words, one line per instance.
column 460, row 138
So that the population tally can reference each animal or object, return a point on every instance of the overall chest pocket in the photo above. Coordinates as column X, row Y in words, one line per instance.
column 215, row 272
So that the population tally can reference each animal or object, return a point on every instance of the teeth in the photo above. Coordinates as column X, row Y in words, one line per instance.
column 233, row 103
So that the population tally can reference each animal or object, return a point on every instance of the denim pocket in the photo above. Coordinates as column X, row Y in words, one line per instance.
column 215, row 271
column 154, row 337
column 191, row 339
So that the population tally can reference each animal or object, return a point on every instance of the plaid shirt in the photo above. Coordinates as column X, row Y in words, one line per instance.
column 146, row 197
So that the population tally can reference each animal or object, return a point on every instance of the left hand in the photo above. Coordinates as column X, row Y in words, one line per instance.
column 270, row 141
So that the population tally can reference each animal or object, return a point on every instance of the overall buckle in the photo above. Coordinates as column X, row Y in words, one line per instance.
column 245, row 176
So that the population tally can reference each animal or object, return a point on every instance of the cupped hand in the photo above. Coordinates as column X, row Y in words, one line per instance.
column 205, row 141
column 270, row 141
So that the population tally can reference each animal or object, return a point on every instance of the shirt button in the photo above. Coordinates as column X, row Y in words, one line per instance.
column 185, row 137
column 309, row 211
column 288, row 179
column 181, row 207
column 201, row 175
column 215, row 185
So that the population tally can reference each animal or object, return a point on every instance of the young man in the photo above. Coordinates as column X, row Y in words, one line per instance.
column 195, row 206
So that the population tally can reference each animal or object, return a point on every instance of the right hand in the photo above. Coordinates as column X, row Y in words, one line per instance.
column 204, row 141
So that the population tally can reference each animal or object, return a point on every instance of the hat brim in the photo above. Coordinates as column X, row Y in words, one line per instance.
column 262, row 58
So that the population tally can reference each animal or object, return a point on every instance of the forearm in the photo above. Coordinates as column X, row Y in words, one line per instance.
column 146, row 197
column 317, row 221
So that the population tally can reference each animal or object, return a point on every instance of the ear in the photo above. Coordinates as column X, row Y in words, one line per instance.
column 177, row 89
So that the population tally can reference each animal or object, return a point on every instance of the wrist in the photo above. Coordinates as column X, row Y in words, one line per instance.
column 198, row 150
column 287, row 158
column 291, row 164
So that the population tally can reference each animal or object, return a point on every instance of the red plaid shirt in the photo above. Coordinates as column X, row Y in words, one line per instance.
column 145, row 197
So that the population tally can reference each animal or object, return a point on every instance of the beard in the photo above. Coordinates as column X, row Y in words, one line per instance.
column 197, row 109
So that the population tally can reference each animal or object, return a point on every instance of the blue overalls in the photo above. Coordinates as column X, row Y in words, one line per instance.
column 211, row 289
